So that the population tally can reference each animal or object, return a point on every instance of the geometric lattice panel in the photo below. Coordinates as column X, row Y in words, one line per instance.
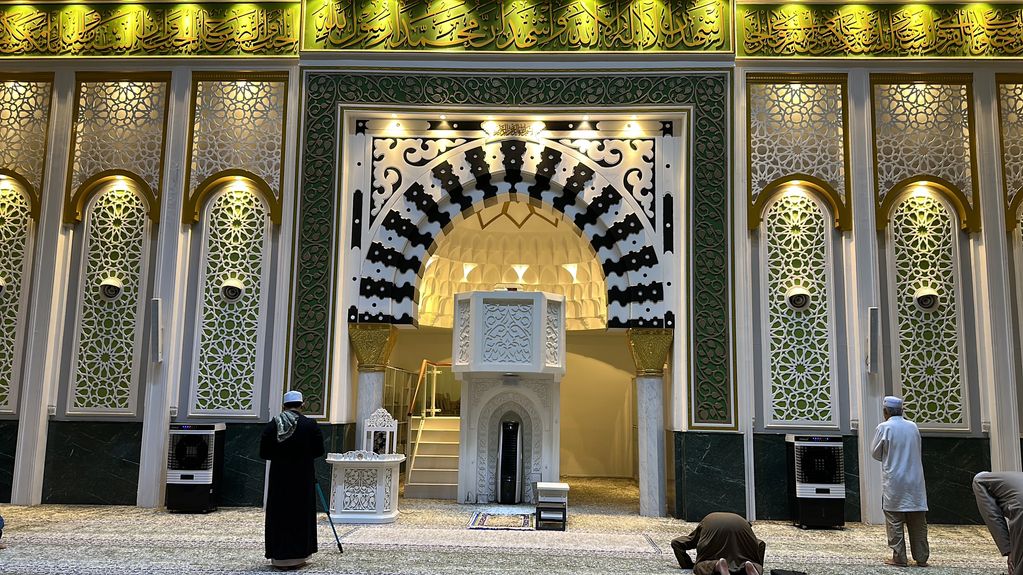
column 119, row 125
column 799, row 338
column 238, row 124
column 796, row 128
column 107, row 358
column 24, row 120
column 1011, row 109
column 15, row 245
column 924, row 257
column 227, row 374
column 922, row 130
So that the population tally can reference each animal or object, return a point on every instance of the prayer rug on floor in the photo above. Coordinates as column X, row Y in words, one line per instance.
column 504, row 522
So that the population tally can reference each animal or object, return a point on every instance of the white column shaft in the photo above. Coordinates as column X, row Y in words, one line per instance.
column 371, row 398
column 650, row 408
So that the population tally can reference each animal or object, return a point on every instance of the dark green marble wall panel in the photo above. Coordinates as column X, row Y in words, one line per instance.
column 245, row 472
column 949, row 466
column 771, row 476
column 8, row 444
column 709, row 474
column 335, row 441
column 92, row 462
column 852, row 478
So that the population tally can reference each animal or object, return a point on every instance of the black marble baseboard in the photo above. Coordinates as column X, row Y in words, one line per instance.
column 92, row 463
column 8, row 445
column 852, row 478
column 709, row 474
column 949, row 466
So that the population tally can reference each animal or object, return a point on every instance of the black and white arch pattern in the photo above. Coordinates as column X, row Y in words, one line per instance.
column 415, row 202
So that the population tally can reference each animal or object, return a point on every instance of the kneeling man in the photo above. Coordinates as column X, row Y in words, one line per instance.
column 725, row 545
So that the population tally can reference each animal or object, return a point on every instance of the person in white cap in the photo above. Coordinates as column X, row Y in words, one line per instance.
column 291, row 442
column 897, row 446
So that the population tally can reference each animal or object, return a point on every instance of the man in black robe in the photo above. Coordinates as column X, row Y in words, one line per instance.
column 291, row 442
column 725, row 544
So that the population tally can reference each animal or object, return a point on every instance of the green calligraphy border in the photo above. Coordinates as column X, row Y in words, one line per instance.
column 707, row 93
column 519, row 25
column 880, row 31
column 155, row 29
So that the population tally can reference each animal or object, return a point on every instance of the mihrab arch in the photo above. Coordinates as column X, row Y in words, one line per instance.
column 619, row 224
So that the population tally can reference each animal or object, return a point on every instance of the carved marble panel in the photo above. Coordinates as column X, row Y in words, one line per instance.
column 507, row 333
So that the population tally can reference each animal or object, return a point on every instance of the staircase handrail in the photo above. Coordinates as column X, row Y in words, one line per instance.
column 422, row 418
column 419, row 382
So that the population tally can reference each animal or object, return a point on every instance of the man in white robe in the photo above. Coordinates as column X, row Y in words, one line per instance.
column 904, row 496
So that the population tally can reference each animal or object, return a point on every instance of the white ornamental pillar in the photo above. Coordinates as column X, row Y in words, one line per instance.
column 650, row 349
column 372, row 343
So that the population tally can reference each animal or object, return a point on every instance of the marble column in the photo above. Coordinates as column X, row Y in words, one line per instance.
column 650, row 349
column 372, row 343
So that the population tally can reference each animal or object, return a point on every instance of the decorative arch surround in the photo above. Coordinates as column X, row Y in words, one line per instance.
column 798, row 128
column 929, row 357
column 428, row 197
column 924, row 130
column 17, row 235
column 237, row 128
column 230, row 341
column 805, row 184
column 703, row 250
column 119, row 128
column 25, row 106
column 800, row 371
column 107, row 350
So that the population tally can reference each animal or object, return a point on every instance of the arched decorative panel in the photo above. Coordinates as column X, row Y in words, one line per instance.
column 107, row 362
column 230, row 336
column 926, row 308
column 1010, row 111
column 24, row 121
column 16, row 235
column 798, row 318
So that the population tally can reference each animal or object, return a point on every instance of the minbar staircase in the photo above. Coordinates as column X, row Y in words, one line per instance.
column 433, row 466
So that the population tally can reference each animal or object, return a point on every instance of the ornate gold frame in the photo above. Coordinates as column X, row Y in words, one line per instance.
column 969, row 215
column 841, row 210
column 74, row 200
column 194, row 199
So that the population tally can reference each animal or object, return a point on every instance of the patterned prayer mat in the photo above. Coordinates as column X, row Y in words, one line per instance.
column 502, row 522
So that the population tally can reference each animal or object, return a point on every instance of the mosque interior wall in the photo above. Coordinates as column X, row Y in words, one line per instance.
column 8, row 443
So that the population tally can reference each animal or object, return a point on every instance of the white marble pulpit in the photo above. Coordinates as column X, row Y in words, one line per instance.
column 508, row 349
column 363, row 483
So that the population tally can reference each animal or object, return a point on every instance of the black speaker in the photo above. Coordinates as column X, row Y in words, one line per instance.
column 509, row 463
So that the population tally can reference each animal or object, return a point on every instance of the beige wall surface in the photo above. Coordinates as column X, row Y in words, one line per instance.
column 597, row 405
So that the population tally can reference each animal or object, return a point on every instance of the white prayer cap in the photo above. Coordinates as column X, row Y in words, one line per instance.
column 892, row 402
column 293, row 397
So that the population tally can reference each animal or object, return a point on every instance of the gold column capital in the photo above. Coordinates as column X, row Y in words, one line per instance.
column 650, row 348
column 372, row 343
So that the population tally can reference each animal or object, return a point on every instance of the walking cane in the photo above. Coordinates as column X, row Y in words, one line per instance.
column 323, row 501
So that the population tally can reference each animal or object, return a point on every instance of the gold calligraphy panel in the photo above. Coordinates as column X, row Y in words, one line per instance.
column 265, row 29
column 518, row 25
column 884, row 30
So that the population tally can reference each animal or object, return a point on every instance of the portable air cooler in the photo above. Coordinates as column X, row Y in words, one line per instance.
column 818, row 474
column 195, row 466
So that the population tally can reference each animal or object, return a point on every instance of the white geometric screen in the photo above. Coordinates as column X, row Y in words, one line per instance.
column 796, row 128
column 923, row 268
column 799, row 319
column 111, row 296
column 229, row 344
column 24, row 120
column 1011, row 109
column 120, row 125
column 922, row 130
column 16, row 235
column 238, row 125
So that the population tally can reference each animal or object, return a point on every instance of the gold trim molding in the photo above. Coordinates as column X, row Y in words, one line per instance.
column 650, row 348
column 373, row 343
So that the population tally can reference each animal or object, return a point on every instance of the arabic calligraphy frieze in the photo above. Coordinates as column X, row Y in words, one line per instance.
column 265, row 29
column 519, row 25
column 881, row 30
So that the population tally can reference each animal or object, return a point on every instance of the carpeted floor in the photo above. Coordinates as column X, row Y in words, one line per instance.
column 605, row 535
